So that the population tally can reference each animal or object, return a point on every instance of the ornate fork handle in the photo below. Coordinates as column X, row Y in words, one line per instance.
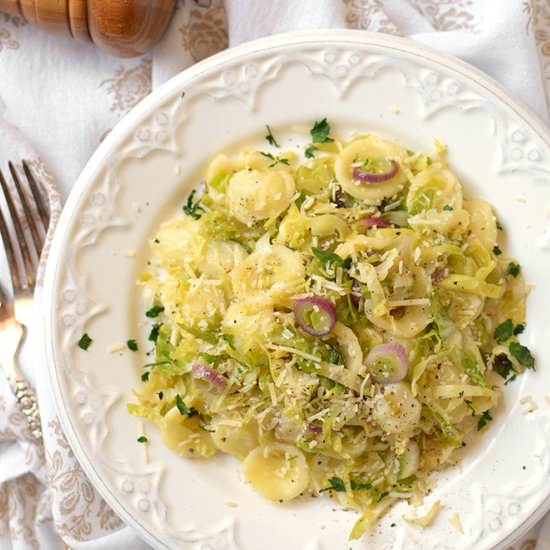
column 26, row 209
column 26, row 400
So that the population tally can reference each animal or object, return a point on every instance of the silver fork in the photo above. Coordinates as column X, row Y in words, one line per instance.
column 15, row 315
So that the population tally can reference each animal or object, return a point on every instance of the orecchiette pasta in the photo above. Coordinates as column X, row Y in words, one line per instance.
column 254, row 195
column 369, row 147
column 278, row 472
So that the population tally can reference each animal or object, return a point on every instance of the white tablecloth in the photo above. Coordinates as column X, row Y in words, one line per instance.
column 59, row 98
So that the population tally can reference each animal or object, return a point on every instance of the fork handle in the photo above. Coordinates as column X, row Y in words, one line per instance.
column 26, row 401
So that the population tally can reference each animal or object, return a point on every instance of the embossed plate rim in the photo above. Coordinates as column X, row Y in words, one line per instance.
column 145, row 108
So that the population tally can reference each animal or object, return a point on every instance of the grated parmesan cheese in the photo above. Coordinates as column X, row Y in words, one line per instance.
column 272, row 394
column 318, row 415
column 288, row 349
column 329, row 285
column 363, row 384
column 115, row 348
column 427, row 519
column 454, row 520
column 530, row 402
column 521, row 199
column 287, row 334
column 440, row 148
column 417, row 255
column 411, row 302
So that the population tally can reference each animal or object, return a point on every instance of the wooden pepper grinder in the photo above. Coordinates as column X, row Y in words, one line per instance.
column 124, row 28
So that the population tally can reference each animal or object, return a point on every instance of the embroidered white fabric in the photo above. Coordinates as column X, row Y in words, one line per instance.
column 59, row 98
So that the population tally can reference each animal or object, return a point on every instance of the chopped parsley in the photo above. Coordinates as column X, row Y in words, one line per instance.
column 518, row 329
column 270, row 137
column 496, row 250
column 320, row 132
column 448, row 208
column 502, row 365
column 184, row 409
column 504, row 331
column 499, row 226
column 142, row 439
column 383, row 495
column 276, row 160
column 358, row 485
column 522, row 354
column 514, row 269
column 511, row 379
column 336, row 484
column 328, row 258
column 160, row 395
column 84, row 342
column 193, row 209
column 484, row 420
column 334, row 356
column 156, row 364
column 154, row 334
column 155, row 311
column 310, row 152
column 145, row 377
column 132, row 345
column 468, row 403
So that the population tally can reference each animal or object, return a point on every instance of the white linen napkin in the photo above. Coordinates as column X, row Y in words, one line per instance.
column 65, row 96
column 497, row 41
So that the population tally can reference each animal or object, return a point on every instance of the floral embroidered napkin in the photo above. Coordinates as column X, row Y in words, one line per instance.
column 65, row 96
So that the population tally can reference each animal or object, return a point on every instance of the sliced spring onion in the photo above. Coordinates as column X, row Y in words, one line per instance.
column 206, row 372
column 315, row 315
column 366, row 176
column 373, row 221
column 387, row 363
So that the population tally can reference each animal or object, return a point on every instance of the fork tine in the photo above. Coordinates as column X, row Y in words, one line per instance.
column 22, row 241
column 36, row 237
column 12, row 262
column 42, row 210
column 3, row 298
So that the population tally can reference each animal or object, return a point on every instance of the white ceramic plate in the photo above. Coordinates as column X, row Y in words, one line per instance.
column 359, row 81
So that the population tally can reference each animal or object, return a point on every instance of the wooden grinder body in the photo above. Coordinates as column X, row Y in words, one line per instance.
column 125, row 28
